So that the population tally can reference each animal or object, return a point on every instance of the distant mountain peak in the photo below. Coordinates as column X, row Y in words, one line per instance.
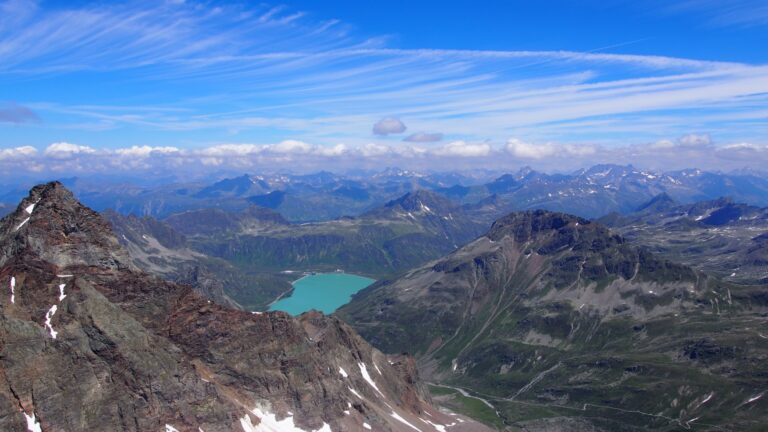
column 527, row 225
column 422, row 200
column 659, row 202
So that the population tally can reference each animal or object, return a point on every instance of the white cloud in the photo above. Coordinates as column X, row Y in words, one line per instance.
column 526, row 150
column 389, row 125
column 373, row 149
column 337, row 150
column 694, row 140
column 62, row 150
column 463, row 149
column 291, row 147
column 146, row 151
column 17, row 152
column 225, row 150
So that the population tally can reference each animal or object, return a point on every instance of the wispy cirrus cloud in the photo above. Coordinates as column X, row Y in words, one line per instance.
column 182, row 74
column 724, row 13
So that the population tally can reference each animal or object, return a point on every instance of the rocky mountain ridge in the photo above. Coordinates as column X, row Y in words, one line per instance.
column 721, row 236
column 90, row 342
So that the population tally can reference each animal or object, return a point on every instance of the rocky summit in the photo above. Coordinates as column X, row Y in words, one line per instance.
column 88, row 342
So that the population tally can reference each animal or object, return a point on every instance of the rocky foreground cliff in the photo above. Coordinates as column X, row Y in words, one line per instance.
column 89, row 342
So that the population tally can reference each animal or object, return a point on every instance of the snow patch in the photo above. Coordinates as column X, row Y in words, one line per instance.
column 62, row 296
column 403, row 421
column 270, row 423
column 29, row 208
column 364, row 371
column 367, row 426
column 343, row 372
column 169, row 428
column 13, row 289
column 48, row 317
column 377, row 369
column 64, row 275
column 354, row 392
column 32, row 424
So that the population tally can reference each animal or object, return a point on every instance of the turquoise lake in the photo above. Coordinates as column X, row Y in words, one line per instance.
column 325, row 292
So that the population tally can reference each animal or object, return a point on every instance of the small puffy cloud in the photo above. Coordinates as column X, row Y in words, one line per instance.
column 291, row 147
column 463, row 149
column 337, row 150
column 62, row 150
column 525, row 150
column 225, row 150
column 423, row 137
column 17, row 114
column 17, row 152
column 389, row 125
column 694, row 140
column 373, row 150
column 146, row 151
column 688, row 141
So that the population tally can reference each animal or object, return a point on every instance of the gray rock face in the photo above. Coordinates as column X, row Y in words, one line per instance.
column 88, row 342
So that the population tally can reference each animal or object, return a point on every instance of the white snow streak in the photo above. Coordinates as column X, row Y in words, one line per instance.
column 343, row 372
column 48, row 317
column 439, row 427
column 354, row 392
column 169, row 428
column 30, row 208
column 754, row 398
column 364, row 371
column 367, row 426
column 377, row 368
column 64, row 275
column 32, row 423
column 21, row 224
column 403, row 421
column 13, row 289
column 62, row 296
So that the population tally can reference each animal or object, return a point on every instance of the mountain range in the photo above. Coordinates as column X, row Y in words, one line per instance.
column 556, row 323
column 589, row 193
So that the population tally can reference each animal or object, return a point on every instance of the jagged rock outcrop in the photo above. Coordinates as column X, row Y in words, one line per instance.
column 90, row 342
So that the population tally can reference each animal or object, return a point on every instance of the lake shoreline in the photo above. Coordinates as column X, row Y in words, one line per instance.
column 324, row 292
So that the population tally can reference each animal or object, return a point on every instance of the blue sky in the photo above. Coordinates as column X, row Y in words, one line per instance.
column 306, row 85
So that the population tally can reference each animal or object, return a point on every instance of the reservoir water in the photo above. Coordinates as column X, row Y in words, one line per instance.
column 325, row 292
